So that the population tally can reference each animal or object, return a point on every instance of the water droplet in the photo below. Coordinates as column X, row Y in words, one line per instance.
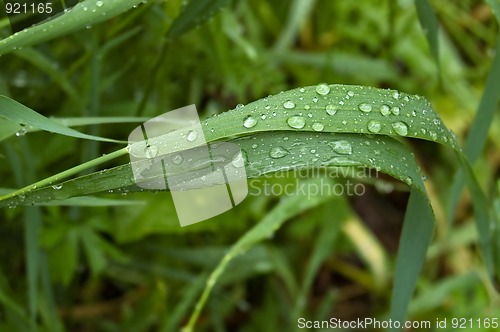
column 395, row 110
column 307, row 107
column 341, row 147
column 385, row 110
column 322, row 89
column 289, row 104
column 239, row 106
column 267, row 107
column 249, row 122
column 238, row 161
column 296, row 122
column 408, row 180
column 318, row 126
column 331, row 109
column 21, row 132
column 395, row 95
column 400, row 128
column 376, row 152
column 254, row 146
column 177, row 159
column 302, row 89
column 99, row 3
column 315, row 99
column 374, row 126
column 263, row 116
column 192, row 135
column 350, row 93
column 365, row 107
column 57, row 186
column 433, row 135
column 278, row 152
column 151, row 151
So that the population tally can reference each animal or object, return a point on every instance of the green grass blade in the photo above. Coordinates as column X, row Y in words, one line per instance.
column 91, row 201
column 429, row 22
column 18, row 113
column 495, row 8
column 194, row 14
column 9, row 128
column 32, row 223
column 391, row 157
column 88, row 12
column 416, row 235
column 337, row 211
column 173, row 320
column 299, row 10
column 479, row 129
column 287, row 208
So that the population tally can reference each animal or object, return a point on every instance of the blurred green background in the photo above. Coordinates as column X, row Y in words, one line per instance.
column 130, row 267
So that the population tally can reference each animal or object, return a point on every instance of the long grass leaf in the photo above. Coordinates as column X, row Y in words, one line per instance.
column 88, row 12
column 287, row 208
column 429, row 22
column 495, row 8
column 18, row 113
column 474, row 144
column 194, row 14
column 416, row 235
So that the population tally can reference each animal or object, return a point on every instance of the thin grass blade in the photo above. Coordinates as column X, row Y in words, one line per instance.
column 88, row 12
column 18, row 113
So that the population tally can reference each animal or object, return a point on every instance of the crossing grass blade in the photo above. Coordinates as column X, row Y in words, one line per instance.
column 195, row 13
column 429, row 22
column 479, row 129
column 19, row 114
column 84, row 13
column 288, row 208
column 495, row 8
column 344, row 125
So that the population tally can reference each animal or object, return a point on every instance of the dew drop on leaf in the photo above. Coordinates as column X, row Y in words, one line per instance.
column 318, row 126
column 289, row 104
column 278, row 152
column 249, row 122
column 331, row 109
column 21, row 132
column 374, row 126
column 151, row 151
column 400, row 128
column 177, row 159
column 341, row 147
column 395, row 110
column 385, row 110
column 322, row 89
column 296, row 122
column 365, row 107
column 238, row 161
column 192, row 135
